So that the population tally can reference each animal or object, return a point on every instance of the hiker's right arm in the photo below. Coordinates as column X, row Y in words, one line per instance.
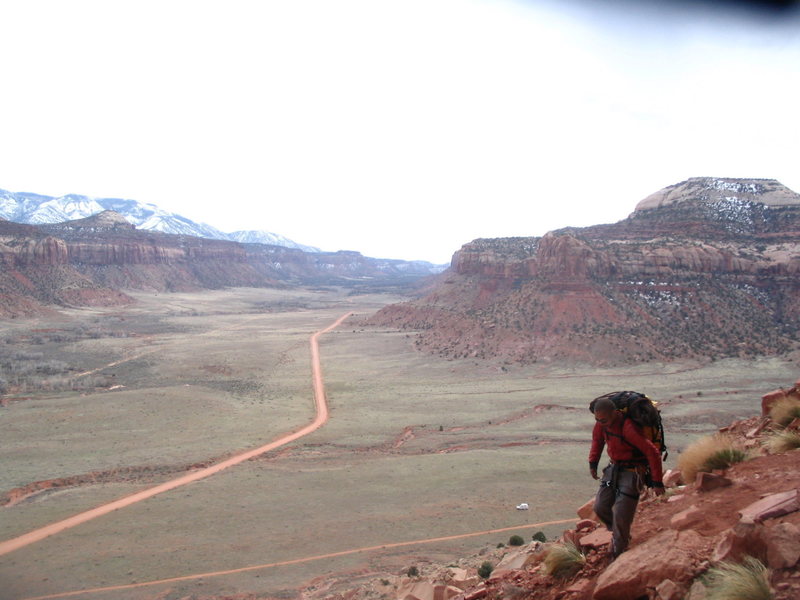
column 596, row 451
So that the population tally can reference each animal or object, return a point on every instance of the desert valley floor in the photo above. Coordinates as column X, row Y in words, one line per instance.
column 417, row 447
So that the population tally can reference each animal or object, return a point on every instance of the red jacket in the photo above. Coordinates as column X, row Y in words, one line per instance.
column 621, row 439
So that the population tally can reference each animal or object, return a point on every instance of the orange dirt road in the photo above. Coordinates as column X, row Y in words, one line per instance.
column 295, row 561
column 321, row 418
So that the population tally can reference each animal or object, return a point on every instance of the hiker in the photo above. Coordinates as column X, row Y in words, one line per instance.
column 635, row 462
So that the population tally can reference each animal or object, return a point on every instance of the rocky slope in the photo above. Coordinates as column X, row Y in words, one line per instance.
column 750, row 509
column 708, row 267
column 90, row 261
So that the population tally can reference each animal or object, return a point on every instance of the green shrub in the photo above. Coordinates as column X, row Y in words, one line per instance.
column 515, row 540
column 785, row 411
column 783, row 441
column 485, row 570
column 708, row 453
column 539, row 536
column 724, row 458
column 732, row 581
column 563, row 560
column 412, row 572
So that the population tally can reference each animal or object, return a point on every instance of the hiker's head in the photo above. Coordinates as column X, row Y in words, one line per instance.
column 605, row 412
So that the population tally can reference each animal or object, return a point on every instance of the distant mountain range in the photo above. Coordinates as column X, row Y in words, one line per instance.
column 36, row 209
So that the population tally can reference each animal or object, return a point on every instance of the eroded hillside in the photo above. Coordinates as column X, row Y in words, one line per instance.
column 705, row 268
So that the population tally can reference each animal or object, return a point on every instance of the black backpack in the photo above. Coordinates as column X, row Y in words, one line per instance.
column 641, row 410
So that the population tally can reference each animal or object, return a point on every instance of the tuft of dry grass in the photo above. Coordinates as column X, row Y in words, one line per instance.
column 733, row 581
column 783, row 441
column 563, row 560
column 711, row 452
column 784, row 411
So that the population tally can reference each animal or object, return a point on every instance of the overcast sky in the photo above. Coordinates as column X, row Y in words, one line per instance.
column 400, row 129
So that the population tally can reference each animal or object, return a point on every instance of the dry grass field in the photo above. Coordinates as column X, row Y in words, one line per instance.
column 416, row 447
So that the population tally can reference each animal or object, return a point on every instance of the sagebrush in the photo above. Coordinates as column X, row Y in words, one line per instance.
column 711, row 452
column 784, row 411
column 733, row 581
column 783, row 441
column 563, row 560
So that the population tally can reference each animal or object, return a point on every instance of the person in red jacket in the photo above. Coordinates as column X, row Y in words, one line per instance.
column 635, row 462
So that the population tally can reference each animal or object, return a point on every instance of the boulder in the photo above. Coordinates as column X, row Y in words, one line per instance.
column 667, row 555
column 783, row 546
column 697, row 591
column 742, row 539
column 596, row 539
column 669, row 590
column 587, row 510
column 686, row 518
column 520, row 559
column 580, row 587
column 425, row 590
column 462, row 578
column 477, row 593
column 757, row 429
column 585, row 524
column 672, row 478
column 570, row 535
column 767, row 400
column 705, row 482
column 772, row 506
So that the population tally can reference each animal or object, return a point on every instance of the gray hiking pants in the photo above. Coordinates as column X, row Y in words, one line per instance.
column 616, row 502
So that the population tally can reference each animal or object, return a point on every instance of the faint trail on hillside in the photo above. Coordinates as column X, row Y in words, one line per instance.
column 321, row 418
column 297, row 561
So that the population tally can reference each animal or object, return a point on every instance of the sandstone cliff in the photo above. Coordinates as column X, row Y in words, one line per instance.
column 90, row 261
column 708, row 268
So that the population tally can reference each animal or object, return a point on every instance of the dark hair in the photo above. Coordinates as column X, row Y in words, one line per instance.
column 604, row 405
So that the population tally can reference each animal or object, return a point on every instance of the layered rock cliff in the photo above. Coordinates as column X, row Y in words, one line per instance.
column 89, row 261
column 708, row 267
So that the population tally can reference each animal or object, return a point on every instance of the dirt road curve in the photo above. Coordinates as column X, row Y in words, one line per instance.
column 295, row 561
column 320, row 419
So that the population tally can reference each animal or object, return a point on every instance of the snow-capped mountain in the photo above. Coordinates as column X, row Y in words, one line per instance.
column 266, row 237
column 35, row 209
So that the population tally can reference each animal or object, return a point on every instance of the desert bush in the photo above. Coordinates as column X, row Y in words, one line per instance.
column 709, row 453
column 412, row 572
column 485, row 570
column 783, row 441
column 732, row 581
column 563, row 560
column 515, row 540
column 539, row 536
column 784, row 411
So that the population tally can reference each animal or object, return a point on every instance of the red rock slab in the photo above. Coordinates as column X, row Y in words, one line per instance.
column 585, row 524
column 774, row 505
column 668, row 555
column 672, row 478
column 587, row 510
column 705, row 482
column 783, row 546
column 596, row 539
column 686, row 518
